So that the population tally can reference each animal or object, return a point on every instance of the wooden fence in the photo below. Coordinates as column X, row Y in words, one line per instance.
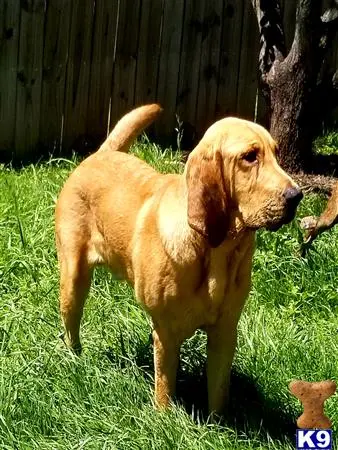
column 70, row 68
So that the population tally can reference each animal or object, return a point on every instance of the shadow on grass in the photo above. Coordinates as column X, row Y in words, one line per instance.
column 250, row 411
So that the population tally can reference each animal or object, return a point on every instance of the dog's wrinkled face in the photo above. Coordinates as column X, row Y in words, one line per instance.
column 234, row 170
column 263, row 193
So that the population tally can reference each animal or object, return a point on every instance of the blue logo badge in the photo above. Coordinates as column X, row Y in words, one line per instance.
column 314, row 439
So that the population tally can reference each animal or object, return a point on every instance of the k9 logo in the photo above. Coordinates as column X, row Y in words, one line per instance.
column 314, row 439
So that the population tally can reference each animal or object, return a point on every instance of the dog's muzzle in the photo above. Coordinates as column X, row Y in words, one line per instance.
column 292, row 197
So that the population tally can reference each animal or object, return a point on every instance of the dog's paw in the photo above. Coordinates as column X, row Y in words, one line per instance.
column 75, row 348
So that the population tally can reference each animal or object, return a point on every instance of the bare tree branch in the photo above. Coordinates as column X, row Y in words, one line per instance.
column 272, row 42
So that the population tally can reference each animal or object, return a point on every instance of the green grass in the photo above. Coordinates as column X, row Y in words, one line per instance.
column 51, row 399
column 327, row 144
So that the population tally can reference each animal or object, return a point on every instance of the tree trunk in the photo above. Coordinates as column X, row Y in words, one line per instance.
column 289, row 82
column 291, row 117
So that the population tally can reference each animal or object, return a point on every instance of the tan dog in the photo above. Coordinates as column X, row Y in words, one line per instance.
column 185, row 242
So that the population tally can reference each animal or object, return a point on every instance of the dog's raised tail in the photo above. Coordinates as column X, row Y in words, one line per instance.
column 130, row 126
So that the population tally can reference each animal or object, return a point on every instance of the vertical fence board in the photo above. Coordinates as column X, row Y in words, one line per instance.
column 169, row 65
column 247, row 80
column 190, row 61
column 124, row 75
column 209, row 66
column 148, row 51
column 104, row 36
column 29, row 77
column 55, row 59
column 9, row 40
column 229, row 58
column 78, row 71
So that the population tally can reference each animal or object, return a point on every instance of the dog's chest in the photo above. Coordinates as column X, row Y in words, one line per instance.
column 227, row 283
column 220, row 288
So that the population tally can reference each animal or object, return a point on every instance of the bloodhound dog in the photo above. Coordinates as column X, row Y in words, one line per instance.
column 184, row 242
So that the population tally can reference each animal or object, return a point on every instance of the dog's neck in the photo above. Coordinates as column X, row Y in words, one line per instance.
column 181, row 241
column 237, row 228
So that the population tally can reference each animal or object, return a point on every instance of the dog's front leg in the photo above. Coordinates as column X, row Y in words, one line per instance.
column 222, row 339
column 166, row 357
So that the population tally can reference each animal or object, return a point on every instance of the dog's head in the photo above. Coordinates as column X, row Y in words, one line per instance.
column 233, row 172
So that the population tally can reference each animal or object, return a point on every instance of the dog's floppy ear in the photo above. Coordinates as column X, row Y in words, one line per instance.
column 206, row 196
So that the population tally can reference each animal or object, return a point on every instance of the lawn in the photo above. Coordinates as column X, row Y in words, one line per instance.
column 51, row 399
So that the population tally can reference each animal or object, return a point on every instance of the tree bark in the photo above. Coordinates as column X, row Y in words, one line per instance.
column 290, row 82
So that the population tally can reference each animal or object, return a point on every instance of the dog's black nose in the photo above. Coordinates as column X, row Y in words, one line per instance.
column 293, row 195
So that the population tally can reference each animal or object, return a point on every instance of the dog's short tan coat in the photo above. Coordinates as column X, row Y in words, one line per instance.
column 185, row 242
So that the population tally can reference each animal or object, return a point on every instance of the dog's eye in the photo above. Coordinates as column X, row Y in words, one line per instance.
column 250, row 156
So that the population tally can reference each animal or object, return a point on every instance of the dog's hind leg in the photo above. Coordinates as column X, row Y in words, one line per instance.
column 75, row 279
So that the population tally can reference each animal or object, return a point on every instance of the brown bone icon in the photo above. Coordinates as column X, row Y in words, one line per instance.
column 313, row 396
